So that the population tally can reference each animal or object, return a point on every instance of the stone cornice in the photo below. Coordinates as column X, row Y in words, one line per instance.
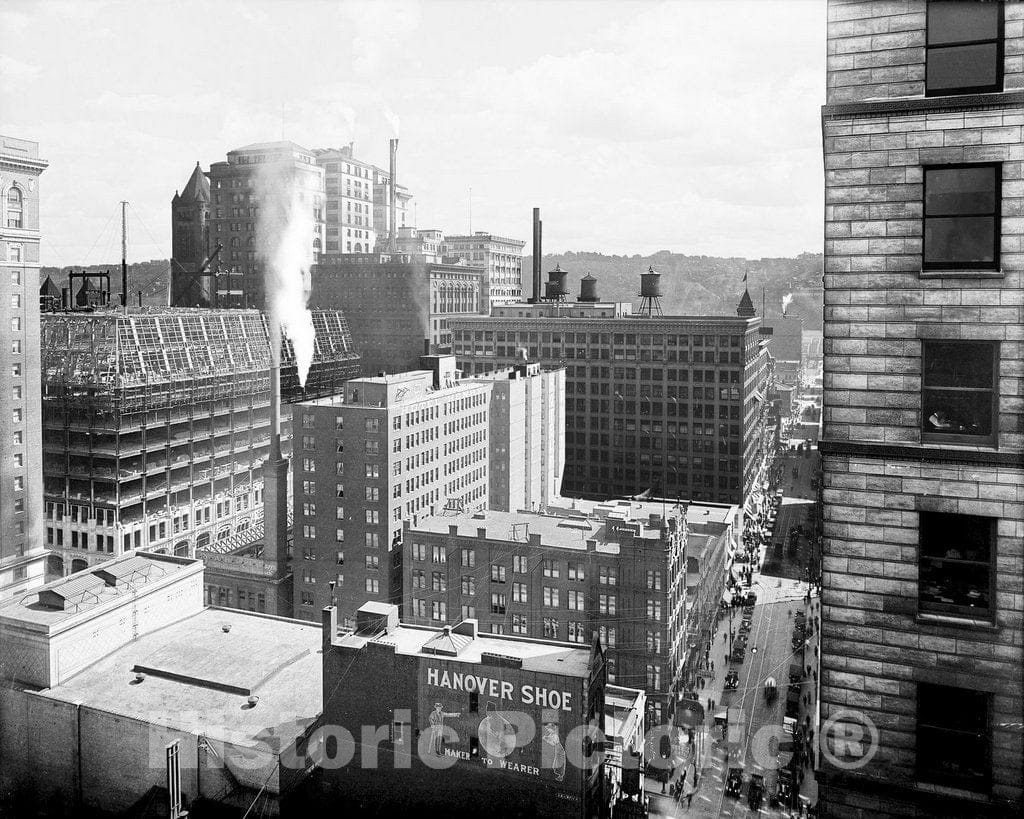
column 923, row 105
column 906, row 452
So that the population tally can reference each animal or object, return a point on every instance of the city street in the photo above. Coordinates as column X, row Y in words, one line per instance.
column 769, row 654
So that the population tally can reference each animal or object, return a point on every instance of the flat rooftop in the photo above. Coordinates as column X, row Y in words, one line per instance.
column 197, row 671
column 571, row 530
column 95, row 587
column 547, row 656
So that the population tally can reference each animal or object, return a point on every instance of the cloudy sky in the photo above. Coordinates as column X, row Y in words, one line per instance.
column 688, row 125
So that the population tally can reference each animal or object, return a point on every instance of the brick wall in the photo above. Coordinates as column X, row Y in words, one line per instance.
column 876, row 49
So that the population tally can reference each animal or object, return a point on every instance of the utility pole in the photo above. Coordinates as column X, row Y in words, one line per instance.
column 124, row 254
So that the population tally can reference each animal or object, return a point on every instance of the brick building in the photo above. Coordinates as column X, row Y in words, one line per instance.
column 391, row 448
column 468, row 724
column 248, row 197
column 621, row 571
column 923, row 440
column 22, row 553
column 672, row 404
column 397, row 305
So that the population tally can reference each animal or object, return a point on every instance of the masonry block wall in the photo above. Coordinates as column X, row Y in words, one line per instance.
column 882, row 129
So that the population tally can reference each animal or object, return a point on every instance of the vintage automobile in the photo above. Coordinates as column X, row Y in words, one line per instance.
column 755, row 792
column 734, row 782
column 771, row 690
column 751, row 598
column 785, row 793
column 732, row 681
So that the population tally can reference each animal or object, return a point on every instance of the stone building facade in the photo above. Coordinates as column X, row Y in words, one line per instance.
column 923, row 442
column 22, row 556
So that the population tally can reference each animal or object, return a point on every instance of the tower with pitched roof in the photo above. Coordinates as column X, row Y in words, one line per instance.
column 190, row 241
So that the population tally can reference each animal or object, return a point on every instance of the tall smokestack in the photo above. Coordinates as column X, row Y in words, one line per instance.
column 275, row 469
column 536, row 255
column 393, row 235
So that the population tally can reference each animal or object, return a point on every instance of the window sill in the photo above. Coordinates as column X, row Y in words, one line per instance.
column 961, row 273
column 955, row 621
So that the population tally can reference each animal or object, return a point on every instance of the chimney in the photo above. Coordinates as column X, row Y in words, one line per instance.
column 536, row 256
column 393, row 212
column 275, row 468
column 329, row 624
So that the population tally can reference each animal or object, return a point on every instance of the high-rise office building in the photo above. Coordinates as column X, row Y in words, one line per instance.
column 923, row 442
column 502, row 261
column 156, row 425
column 391, row 448
column 247, row 199
column 349, row 198
column 22, row 552
column 672, row 404
column 527, row 437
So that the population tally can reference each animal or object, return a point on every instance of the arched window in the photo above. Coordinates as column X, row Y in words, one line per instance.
column 78, row 565
column 14, row 207
column 181, row 548
column 359, row 247
column 234, row 241
column 316, row 244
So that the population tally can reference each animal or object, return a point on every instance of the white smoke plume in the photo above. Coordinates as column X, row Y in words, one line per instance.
column 392, row 119
column 786, row 301
column 286, row 231
column 349, row 115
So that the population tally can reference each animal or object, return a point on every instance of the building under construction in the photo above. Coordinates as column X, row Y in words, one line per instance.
column 157, row 424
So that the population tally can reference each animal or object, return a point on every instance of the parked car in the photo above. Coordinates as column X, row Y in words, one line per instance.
column 734, row 782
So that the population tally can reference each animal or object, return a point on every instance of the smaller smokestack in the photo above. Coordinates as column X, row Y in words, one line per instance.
column 393, row 209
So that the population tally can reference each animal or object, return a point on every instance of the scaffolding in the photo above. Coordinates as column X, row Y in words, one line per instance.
column 150, row 411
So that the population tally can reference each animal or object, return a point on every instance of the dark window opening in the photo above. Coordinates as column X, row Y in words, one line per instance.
column 955, row 564
column 958, row 391
column 964, row 48
column 953, row 737
column 961, row 217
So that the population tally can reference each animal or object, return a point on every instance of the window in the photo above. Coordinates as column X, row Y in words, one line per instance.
column 654, row 642
column 550, row 568
column 371, row 540
column 606, row 603
column 339, row 512
column 308, row 421
column 654, row 610
column 373, row 585
column 576, row 572
column 653, row 676
column 468, row 612
column 964, row 48
column 654, row 579
column 498, row 603
column 608, row 575
column 497, row 574
column 372, row 447
column 372, row 470
column 372, row 516
column 419, row 579
column 372, row 493
column 372, row 561
column 419, row 607
column 576, row 632
column 309, row 509
column 372, row 425
column 953, row 736
column 550, row 596
column 607, row 636
column 576, row 601
column 519, row 564
column 309, row 487
column 308, row 465
column 340, row 558
column 309, row 443
column 468, row 584
column 519, row 624
column 438, row 554
column 961, row 217
column 958, row 391
column 438, row 610
column 550, row 628
column 956, row 563
column 520, row 593
column 419, row 551
column 309, row 532
column 14, row 207
column 468, row 558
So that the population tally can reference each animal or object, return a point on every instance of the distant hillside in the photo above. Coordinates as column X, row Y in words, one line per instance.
column 698, row 285
column 693, row 285
column 151, row 277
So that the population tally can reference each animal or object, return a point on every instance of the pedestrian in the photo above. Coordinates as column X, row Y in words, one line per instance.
column 689, row 799
column 712, row 666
